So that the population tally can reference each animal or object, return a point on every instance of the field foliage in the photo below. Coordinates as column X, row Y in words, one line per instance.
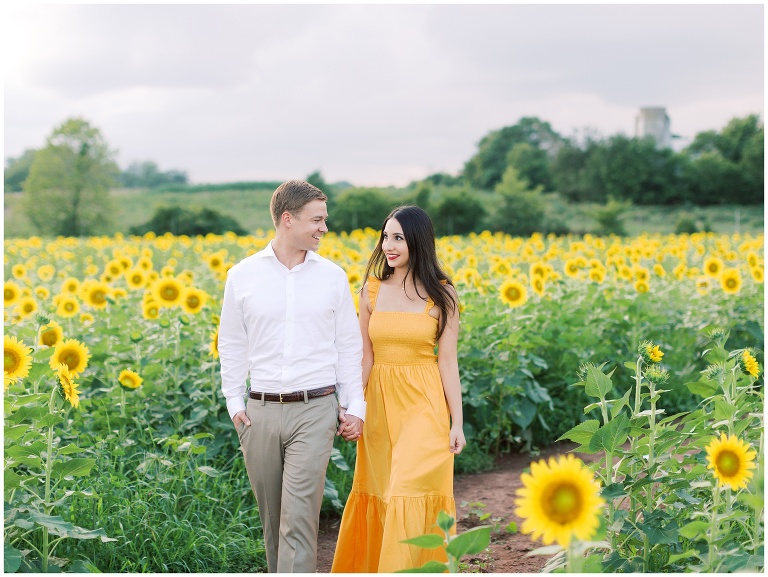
column 128, row 462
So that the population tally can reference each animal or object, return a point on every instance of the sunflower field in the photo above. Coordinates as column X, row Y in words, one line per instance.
column 645, row 351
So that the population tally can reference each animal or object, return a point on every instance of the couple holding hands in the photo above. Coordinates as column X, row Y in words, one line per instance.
column 288, row 322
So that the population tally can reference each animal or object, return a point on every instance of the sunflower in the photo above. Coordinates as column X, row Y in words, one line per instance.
column 730, row 281
column 136, row 278
column 27, row 307
column 642, row 274
column 11, row 293
column 731, row 461
column 45, row 272
column 150, row 310
column 748, row 364
column 659, row 270
column 130, row 379
column 214, row 348
column 67, row 384
column 216, row 260
column 17, row 359
column 114, row 268
column 194, row 300
column 144, row 263
column 67, row 306
column 539, row 269
column 703, row 284
column 87, row 319
column 42, row 293
column 597, row 275
column 51, row 334
column 758, row 274
column 713, row 266
column 571, row 267
column 19, row 271
column 513, row 293
column 537, row 284
column 651, row 353
column 168, row 291
column 641, row 286
column 95, row 294
column 72, row 353
column 70, row 285
column 559, row 500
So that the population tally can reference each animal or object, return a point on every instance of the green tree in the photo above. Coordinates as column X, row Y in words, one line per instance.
column 458, row 212
column 728, row 166
column 420, row 196
column 486, row 168
column 148, row 175
column 533, row 163
column 359, row 208
column 67, row 191
column 609, row 216
column 17, row 171
column 521, row 210
column 632, row 169
column 190, row 221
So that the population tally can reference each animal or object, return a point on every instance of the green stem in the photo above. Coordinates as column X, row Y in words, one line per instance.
column 122, row 401
column 651, row 443
column 713, row 528
column 48, row 470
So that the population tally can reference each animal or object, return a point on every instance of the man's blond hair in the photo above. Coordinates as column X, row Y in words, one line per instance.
column 292, row 196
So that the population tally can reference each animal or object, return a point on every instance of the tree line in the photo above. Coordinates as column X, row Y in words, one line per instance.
column 515, row 169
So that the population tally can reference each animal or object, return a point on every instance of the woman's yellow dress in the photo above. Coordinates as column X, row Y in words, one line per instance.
column 404, row 468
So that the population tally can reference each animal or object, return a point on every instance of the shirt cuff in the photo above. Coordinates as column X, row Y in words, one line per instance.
column 357, row 409
column 235, row 405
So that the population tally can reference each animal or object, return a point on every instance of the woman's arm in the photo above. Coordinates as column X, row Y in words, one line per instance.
column 447, row 362
column 364, row 306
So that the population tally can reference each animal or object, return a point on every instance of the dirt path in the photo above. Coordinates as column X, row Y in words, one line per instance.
column 495, row 490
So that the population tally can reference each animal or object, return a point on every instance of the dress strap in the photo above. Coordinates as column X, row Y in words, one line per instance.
column 430, row 302
column 373, row 290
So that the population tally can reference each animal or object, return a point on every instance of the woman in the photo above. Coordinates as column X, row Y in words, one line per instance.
column 404, row 468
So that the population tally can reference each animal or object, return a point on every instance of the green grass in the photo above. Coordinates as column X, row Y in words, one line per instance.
column 251, row 209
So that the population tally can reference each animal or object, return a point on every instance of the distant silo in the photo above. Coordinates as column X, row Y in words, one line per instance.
column 653, row 121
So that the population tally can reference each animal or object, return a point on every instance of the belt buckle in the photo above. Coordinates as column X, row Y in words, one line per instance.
column 281, row 398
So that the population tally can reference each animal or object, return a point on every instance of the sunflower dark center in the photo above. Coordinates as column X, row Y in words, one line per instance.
column 728, row 463
column 49, row 337
column 563, row 503
column 11, row 361
column 513, row 293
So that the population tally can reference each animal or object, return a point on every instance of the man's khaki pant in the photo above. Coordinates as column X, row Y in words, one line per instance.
column 286, row 450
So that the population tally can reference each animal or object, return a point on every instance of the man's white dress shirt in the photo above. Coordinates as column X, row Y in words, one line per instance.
column 290, row 330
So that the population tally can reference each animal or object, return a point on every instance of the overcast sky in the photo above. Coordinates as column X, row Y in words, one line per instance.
column 374, row 95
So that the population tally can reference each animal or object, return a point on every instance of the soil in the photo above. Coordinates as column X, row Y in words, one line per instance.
column 507, row 552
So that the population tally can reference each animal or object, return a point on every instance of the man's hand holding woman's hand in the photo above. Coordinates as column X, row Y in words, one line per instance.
column 350, row 427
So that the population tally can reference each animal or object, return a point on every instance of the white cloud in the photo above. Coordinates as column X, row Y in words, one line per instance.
column 372, row 94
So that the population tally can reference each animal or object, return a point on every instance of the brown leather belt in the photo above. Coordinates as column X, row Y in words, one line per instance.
column 293, row 397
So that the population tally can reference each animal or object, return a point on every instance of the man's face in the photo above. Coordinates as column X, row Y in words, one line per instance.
column 308, row 225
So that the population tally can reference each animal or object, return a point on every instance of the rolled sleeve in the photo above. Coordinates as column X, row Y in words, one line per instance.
column 349, row 346
column 233, row 350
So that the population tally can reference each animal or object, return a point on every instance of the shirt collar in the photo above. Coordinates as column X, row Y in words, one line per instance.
column 269, row 251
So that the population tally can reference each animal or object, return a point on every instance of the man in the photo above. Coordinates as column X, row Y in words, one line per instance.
column 288, row 321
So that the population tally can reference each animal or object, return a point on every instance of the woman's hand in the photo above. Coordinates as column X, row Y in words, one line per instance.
column 457, row 440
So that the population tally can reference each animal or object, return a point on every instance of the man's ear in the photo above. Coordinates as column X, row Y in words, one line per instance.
column 285, row 218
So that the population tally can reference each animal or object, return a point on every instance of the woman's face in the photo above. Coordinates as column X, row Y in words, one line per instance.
column 393, row 244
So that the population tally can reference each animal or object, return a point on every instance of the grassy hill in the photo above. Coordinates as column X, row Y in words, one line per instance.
column 251, row 209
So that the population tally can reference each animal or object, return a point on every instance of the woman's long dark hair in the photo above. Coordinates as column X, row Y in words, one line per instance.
column 422, row 261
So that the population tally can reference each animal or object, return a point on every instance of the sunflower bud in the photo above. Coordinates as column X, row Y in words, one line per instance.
column 748, row 364
column 714, row 373
column 651, row 353
column 136, row 337
column 657, row 375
